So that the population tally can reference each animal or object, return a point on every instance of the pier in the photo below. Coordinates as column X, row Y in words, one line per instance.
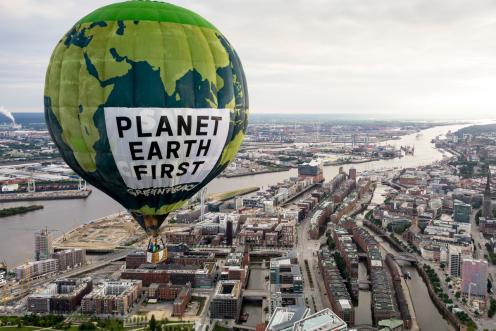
column 46, row 195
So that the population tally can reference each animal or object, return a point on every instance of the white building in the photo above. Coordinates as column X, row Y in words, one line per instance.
column 454, row 261
column 324, row 320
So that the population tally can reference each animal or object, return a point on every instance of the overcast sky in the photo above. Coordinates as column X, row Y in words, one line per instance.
column 428, row 58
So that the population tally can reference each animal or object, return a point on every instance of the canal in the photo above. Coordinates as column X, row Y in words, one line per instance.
column 428, row 316
column 363, row 313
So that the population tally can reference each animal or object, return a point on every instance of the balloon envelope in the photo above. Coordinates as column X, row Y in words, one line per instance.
column 148, row 102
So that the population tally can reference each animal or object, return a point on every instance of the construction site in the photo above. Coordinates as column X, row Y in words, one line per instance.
column 102, row 235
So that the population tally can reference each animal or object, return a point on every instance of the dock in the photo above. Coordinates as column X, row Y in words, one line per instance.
column 46, row 195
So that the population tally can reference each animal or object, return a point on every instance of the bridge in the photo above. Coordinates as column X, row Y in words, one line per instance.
column 364, row 284
column 255, row 294
column 370, row 204
column 393, row 184
column 244, row 327
column 406, row 257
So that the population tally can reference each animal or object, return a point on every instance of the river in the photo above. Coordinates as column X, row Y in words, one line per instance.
column 16, row 234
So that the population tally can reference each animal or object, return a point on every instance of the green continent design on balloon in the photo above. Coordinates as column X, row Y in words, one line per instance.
column 119, row 58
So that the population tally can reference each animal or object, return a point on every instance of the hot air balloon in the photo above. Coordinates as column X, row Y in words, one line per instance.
column 148, row 102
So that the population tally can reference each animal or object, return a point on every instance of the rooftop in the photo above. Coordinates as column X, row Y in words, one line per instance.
column 284, row 318
column 323, row 320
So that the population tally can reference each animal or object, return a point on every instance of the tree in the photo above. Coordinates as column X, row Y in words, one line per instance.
column 152, row 323
column 87, row 326
column 492, row 308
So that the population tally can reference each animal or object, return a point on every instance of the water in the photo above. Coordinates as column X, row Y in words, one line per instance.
column 363, row 313
column 428, row 317
column 16, row 235
column 425, row 153
column 59, row 216
column 254, row 308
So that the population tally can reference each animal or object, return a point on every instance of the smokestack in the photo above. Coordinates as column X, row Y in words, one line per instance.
column 4, row 111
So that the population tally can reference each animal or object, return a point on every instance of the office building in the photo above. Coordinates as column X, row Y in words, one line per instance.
column 199, row 276
column 352, row 173
column 35, row 269
column 454, row 261
column 474, row 278
column 60, row 297
column 112, row 298
column 229, row 233
column 487, row 226
column 284, row 318
column 227, row 299
column 391, row 325
column 180, row 295
column 324, row 320
column 487, row 204
column 70, row 258
column 461, row 211
column 286, row 271
column 135, row 259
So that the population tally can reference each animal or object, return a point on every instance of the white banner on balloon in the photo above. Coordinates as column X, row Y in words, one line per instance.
column 157, row 148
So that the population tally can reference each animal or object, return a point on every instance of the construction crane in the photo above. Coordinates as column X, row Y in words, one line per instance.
column 3, row 282
column 57, row 230
column 31, row 185
column 203, row 194
column 26, row 281
column 82, row 186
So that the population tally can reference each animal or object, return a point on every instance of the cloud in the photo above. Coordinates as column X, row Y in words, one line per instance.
column 423, row 56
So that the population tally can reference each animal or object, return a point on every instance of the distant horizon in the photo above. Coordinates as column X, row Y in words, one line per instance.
column 342, row 116
column 420, row 59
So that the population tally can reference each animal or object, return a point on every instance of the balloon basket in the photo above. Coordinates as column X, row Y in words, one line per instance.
column 156, row 251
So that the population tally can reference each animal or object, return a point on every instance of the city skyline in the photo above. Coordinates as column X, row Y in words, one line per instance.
column 402, row 60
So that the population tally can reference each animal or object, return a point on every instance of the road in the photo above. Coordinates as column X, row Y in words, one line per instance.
column 307, row 249
column 480, row 245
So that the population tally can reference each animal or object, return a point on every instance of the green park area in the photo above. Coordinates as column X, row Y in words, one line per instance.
column 18, row 210
column 232, row 194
